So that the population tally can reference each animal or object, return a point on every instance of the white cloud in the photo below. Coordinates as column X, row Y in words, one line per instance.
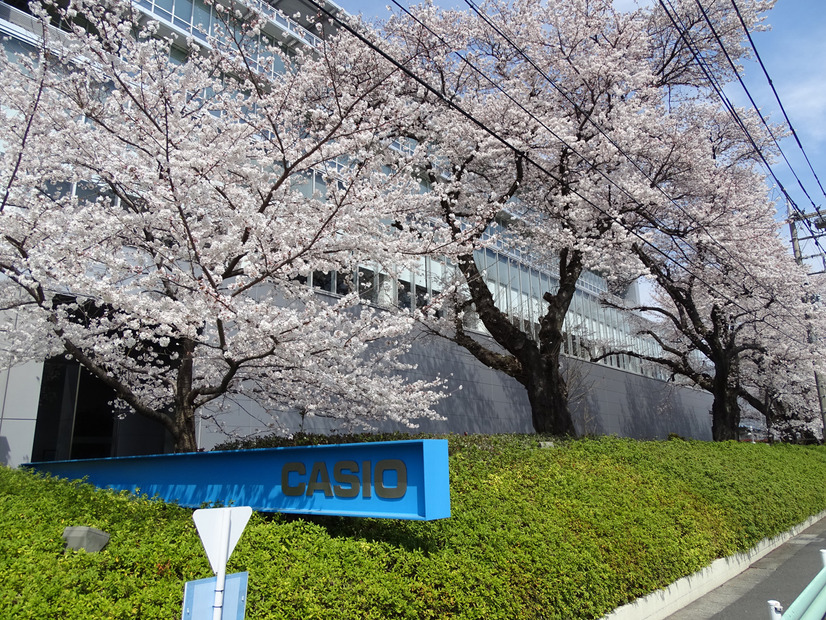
column 805, row 102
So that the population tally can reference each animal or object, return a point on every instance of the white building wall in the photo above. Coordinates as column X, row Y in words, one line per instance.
column 19, row 394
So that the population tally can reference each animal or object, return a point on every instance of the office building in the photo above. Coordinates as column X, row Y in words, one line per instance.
column 55, row 410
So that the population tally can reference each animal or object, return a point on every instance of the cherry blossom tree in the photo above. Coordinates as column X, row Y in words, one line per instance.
column 738, row 335
column 730, row 311
column 734, row 320
column 160, row 219
column 556, row 144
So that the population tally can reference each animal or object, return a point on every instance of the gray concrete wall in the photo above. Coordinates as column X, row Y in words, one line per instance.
column 616, row 402
column 604, row 401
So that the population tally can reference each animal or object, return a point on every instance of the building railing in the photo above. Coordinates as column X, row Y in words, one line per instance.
column 285, row 22
column 810, row 605
column 196, row 18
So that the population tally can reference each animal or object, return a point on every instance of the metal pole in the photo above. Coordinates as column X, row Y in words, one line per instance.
column 220, row 583
column 820, row 383
column 798, row 255
column 775, row 610
column 821, row 397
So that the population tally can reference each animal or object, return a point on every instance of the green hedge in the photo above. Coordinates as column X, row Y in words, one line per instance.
column 566, row 532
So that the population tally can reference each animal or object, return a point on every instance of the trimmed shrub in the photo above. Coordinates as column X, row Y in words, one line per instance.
column 567, row 532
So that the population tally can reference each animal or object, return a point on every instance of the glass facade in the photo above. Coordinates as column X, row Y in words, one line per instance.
column 517, row 288
column 517, row 284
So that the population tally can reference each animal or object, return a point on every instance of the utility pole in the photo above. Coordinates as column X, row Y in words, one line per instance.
column 820, row 381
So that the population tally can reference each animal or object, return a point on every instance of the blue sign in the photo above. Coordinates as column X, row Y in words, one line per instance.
column 394, row 479
column 199, row 596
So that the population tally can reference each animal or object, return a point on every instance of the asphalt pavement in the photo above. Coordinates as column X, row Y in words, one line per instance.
column 781, row 575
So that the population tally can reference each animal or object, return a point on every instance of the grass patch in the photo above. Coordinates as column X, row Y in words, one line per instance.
column 567, row 532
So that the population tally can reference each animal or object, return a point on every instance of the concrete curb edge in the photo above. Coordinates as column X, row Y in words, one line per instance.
column 664, row 602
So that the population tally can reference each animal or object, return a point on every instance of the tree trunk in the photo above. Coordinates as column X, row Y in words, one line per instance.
column 548, row 396
column 547, row 390
column 534, row 363
column 725, row 410
column 185, row 437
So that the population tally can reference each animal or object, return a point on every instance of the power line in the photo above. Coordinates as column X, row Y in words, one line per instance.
column 754, row 105
column 481, row 14
column 562, row 141
column 544, row 170
column 524, row 54
column 776, row 96
column 684, row 34
column 454, row 105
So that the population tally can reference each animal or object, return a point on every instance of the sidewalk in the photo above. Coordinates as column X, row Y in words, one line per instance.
column 780, row 575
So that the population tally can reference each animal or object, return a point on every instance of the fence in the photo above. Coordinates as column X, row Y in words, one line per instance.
column 810, row 605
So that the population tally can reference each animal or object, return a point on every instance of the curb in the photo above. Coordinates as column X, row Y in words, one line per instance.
column 666, row 601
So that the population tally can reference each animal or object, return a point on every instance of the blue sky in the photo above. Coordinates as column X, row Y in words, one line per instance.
column 794, row 54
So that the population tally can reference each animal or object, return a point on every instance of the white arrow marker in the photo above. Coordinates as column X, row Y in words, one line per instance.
column 220, row 529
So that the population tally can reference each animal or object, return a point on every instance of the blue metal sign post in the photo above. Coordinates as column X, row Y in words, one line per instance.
column 198, row 598
column 397, row 480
